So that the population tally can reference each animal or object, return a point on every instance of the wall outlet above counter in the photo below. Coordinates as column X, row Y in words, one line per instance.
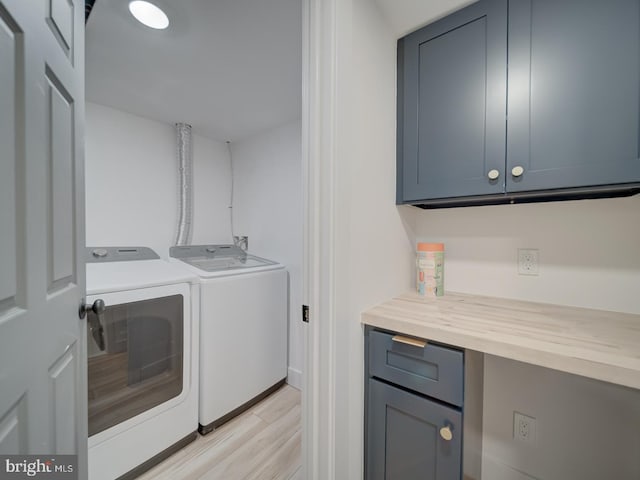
column 528, row 261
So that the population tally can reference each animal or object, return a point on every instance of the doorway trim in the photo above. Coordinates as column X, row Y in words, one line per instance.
column 319, row 159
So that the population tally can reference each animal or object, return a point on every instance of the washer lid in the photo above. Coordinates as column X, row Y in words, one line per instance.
column 213, row 264
column 216, row 258
column 210, row 251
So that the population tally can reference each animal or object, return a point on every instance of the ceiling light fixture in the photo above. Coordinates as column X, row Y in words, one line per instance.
column 149, row 14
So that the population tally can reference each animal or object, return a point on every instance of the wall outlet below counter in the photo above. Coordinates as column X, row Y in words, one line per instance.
column 524, row 428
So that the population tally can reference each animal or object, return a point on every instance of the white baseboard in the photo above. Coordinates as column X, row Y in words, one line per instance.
column 294, row 378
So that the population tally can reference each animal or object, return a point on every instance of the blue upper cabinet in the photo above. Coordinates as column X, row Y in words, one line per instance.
column 539, row 103
column 573, row 100
column 452, row 104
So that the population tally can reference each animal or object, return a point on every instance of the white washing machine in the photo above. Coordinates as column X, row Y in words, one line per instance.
column 243, row 328
column 142, row 360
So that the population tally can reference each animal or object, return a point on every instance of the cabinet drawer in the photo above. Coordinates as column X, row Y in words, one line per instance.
column 432, row 370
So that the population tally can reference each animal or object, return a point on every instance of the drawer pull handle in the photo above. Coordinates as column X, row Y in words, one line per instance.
column 446, row 433
column 409, row 341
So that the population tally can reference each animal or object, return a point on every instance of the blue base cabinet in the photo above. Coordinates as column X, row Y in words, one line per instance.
column 414, row 409
column 405, row 441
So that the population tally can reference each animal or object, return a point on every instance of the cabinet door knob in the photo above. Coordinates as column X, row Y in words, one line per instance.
column 446, row 434
column 493, row 174
column 517, row 171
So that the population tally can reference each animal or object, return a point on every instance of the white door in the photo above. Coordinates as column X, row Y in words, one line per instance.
column 42, row 340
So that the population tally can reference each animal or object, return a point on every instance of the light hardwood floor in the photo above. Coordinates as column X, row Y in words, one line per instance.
column 263, row 443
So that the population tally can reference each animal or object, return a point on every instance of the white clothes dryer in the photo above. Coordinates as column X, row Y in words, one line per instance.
column 243, row 328
column 142, row 360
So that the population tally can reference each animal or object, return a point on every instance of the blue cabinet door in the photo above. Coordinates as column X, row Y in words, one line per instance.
column 574, row 93
column 452, row 105
column 404, row 440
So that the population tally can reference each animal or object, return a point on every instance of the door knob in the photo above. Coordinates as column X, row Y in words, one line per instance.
column 95, row 323
column 96, row 307
column 517, row 171
column 446, row 433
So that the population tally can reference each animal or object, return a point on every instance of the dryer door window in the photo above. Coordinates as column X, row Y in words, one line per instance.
column 141, row 365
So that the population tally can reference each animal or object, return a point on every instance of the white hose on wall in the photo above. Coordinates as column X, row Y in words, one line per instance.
column 185, row 187
column 232, row 186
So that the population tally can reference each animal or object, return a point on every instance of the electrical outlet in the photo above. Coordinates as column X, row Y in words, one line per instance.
column 524, row 428
column 527, row 261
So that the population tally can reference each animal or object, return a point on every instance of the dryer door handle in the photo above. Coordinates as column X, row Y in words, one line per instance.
column 95, row 321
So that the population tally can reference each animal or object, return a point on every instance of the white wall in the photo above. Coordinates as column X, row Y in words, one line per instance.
column 132, row 194
column 373, row 251
column 585, row 429
column 405, row 16
column 268, row 209
column 589, row 252
column 589, row 257
column 132, row 182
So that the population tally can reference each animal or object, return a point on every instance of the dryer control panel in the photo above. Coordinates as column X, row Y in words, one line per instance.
column 118, row 254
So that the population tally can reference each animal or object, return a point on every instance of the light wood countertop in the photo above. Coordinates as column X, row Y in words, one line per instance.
column 593, row 343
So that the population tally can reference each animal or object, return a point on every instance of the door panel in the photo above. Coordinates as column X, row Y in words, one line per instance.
column 452, row 105
column 10, row 107
column 60, row 20
column 409, row 439
column 574, row 95
column 61, row 159
column 452, row 99
column 62, row 378
column 13, row 439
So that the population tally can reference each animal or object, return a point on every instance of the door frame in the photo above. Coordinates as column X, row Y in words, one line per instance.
column 319, row 121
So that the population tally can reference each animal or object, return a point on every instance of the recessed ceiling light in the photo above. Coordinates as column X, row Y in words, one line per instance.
column 149, row 14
